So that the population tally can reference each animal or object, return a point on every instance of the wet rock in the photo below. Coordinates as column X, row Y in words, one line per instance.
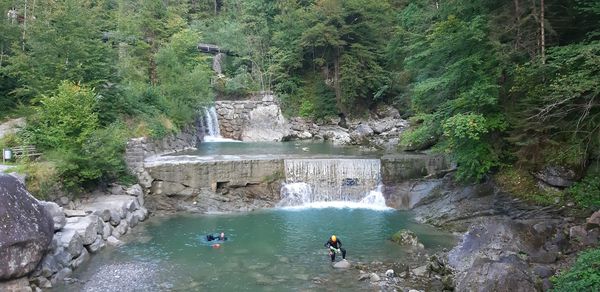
column 141, row 214
column 58, row 216
column 61, row 275
column 407, row 238
column 26, row 229
column 82, row 258
column 113, row 241
column 96, row 245
column 374, row 277
column 364, row 276
column 343, row 264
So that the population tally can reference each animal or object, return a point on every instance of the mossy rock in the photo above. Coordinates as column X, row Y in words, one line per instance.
column 406, row 237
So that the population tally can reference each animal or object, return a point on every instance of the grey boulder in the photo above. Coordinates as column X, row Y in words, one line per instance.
column 26, row 229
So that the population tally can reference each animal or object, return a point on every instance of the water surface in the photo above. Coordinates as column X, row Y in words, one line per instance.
column 270, row 250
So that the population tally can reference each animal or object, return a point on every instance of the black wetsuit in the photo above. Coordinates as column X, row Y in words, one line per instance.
column 337, row 245
column 211, row 237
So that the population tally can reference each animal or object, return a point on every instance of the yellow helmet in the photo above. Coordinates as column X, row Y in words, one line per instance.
column 333, row 238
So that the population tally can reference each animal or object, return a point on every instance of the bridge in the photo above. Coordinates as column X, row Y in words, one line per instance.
column 214, row 49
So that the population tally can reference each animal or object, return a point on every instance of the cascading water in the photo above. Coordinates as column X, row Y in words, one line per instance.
column 211, row 125
column 332, row 183
column 212, row 122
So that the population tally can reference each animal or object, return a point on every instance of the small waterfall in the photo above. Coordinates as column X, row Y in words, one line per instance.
column 212, row 122
column 332, row 182
column 211, row 125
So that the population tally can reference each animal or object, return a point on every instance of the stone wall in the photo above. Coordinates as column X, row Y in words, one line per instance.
column 396, row 168
column 206, row 186
column 138, row 149
column 81, row 232
column 234, row 115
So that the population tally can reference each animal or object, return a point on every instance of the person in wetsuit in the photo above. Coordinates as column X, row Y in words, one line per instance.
column 335, row 245
column 220, row 237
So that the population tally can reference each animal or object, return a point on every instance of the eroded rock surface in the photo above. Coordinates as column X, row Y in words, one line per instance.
column 26, row 229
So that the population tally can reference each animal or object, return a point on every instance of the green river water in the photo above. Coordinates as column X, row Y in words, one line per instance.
column 270, row 250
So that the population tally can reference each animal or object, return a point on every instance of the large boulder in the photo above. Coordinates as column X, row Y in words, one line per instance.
column 265, row 123
column 557, row 176
column 26, row 229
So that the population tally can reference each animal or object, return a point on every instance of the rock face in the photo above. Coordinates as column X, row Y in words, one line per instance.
column 26, row 229
column 252, row 120
column 492, row 256
column 265, row 123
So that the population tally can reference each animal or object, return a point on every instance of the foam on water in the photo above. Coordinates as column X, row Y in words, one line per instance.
column 339, row 205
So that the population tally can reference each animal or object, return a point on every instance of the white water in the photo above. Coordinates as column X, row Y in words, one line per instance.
column 335, row 179
column 332, row 183
column 211, row 122
column 296, row 196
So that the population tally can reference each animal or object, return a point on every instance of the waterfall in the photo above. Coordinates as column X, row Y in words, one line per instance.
column 333, row 183
column 211, row 125
column 212, row 122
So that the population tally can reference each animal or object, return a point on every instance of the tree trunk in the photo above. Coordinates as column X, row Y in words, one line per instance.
column 517, row 24
column 336, row 82
column 543, row 34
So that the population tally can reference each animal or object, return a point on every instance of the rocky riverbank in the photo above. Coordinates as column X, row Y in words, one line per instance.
column 262, row 120
column 507, row 244
column 42, row 259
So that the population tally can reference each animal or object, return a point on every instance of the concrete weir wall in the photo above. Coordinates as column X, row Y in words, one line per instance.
column 186, row 178
column 229, row 185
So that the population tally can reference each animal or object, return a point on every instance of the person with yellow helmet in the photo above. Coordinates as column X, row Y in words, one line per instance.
column 335, row 246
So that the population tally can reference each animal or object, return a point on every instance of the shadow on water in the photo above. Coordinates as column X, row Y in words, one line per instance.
column 271, row 250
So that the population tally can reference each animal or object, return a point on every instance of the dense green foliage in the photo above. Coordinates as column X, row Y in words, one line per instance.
column 491, row 83
column 583, row 276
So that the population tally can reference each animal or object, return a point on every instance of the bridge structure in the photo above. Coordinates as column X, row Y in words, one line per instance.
column 214, row 49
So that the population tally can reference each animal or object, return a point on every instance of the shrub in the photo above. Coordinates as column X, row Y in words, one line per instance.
column 584, row 275
column 67, row 128
column 586, row 193
column 520, row 183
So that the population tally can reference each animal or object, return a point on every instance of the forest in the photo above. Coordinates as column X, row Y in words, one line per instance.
column 503, row 87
